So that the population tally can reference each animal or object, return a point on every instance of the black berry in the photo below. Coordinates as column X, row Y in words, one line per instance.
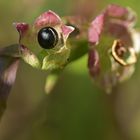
column 47, row 37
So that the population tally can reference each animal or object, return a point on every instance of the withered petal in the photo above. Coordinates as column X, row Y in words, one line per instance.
column 118, row 50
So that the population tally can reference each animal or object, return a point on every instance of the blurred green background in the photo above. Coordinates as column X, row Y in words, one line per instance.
column 76, row 109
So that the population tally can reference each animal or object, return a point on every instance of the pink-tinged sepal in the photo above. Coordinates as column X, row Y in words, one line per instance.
column 21, row 27
column 66, row 30
column 93, row 62
column 48, row 18
column 125, row 15
column 116, row 11
column 95, row 29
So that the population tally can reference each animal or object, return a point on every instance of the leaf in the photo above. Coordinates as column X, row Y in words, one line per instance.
column 9, row 60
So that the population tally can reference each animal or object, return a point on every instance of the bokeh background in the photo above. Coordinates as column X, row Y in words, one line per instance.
column 76, row 109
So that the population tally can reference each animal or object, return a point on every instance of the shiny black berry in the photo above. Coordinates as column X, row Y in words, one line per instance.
column 47, row 37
